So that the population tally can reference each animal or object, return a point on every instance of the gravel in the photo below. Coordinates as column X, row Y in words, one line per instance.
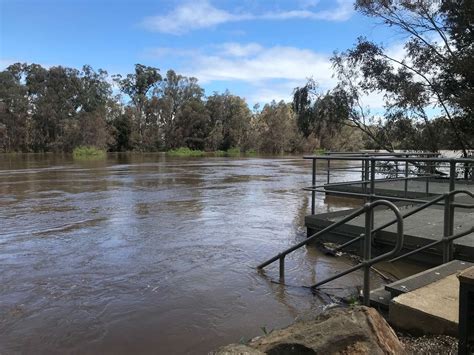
column 429, row 344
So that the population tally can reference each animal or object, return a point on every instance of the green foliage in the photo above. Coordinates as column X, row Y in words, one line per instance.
column 88, row 153
column 436, row 71
column 277, row 129
column 251, row 153
column 319, row 151
column 219, row 153
column 353, row 301
column 233, row 152
column 185, row 152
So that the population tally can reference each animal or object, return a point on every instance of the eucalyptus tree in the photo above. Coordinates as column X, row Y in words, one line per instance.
column 14, row 120
column 173, row 94
column 230, row 119
column 277, row 128
column 433, row 78
column 139, row 87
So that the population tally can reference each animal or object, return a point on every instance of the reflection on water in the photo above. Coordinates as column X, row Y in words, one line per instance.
column 144, row 253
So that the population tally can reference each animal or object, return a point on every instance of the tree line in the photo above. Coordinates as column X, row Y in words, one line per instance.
column 428, row 99
column 57, row 109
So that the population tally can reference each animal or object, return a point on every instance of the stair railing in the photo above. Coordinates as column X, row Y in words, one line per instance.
column 368, row 260
column 448, row 230
column 449, row 206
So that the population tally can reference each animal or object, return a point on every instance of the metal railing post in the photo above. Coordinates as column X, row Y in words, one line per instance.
column 449, row 215
column 329, row 170
column 282, row 268
column 366, row 176
column 452, row 174
column 427, row 187
column 367, row 254
column 372, row 189
column 448, row 229
column 313, row 193
column 362, row 172
column 406, row 179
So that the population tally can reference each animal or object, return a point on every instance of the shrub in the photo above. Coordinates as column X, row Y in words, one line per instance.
column 88, row 153
column 233, row 152
column 185, row 152
column 319, row 151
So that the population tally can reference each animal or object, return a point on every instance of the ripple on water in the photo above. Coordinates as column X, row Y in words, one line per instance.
column 144, row 253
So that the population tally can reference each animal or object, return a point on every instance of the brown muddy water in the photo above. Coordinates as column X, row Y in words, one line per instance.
column 154, row 255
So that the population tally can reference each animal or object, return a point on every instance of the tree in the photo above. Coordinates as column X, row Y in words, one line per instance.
column 277, row 128
column 139, row 87
column 230, row 119
column 173, row 94
column 14, row 120
column 434, row 75
column 193, row 124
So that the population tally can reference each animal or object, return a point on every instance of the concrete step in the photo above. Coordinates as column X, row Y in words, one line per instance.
column 431, row 309
column 380, row 298
column 426, row 277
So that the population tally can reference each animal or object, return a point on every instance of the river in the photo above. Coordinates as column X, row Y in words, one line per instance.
column 154, row 255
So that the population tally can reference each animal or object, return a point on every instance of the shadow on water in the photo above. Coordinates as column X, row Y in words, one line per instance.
column 151, row 254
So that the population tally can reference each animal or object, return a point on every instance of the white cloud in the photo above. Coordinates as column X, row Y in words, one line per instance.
column 202, row 14
column 253, row 63
column 342, row 12
column 240, row 50
column 268, row 72
column 269, row 91
column 190, row 16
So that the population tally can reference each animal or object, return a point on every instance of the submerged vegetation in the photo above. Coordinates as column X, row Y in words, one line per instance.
column 185, row 152
column 88, row 153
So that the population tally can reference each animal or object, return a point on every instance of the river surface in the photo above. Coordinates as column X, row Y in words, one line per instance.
column 154, row 255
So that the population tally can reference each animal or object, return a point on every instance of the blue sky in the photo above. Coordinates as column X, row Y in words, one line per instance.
column 260, row 50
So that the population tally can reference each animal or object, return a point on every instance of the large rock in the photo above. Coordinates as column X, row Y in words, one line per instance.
column 359, row 330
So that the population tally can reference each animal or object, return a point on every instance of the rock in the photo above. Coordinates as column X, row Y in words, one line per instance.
column 359, row 330
column 237, row 349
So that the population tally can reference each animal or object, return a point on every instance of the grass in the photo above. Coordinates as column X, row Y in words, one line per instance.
column 185, row 152
column 219, row 153
column 319, row 151
column 88, row 153
column 233, row 152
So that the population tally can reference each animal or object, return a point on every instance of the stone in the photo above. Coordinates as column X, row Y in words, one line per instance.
column 358, row 330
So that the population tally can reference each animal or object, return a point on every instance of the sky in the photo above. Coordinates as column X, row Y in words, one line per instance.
column 260, row 50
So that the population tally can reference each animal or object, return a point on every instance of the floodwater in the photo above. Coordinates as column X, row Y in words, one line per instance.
column 154, row 255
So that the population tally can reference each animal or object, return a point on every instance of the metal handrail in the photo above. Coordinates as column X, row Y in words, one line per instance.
column 412, row 212
column 385, row 154
column 368, row 260
column 435, row 243
column 448, row 237
column 376, row 158
column 358, row 182
column 378, row 229
column 369, row 172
